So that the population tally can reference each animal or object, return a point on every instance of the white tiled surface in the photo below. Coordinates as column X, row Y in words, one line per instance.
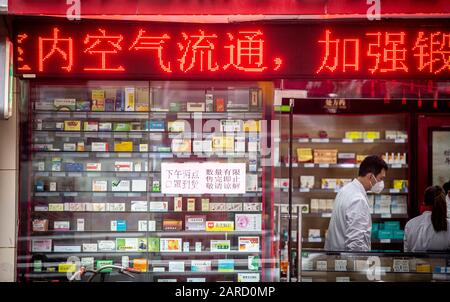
column 7, row 264
column 8, row 212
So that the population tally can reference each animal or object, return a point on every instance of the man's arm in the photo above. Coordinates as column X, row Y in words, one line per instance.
column 357, row 236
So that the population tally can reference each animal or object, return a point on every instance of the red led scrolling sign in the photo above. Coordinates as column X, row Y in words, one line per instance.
column 229, row 51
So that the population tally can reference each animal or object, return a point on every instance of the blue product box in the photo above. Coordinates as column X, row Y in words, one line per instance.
column 120, row 100
column 392, row 225
column 385, row 234
column 398, row 234
column 40, row 186
column 121, row 225
column 109, row 104
column 73, row 167
column 155, row 125
column 83, row 105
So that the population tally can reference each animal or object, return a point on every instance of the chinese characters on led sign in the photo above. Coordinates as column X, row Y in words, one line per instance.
column 387, row 52
column 268, row 51
column 197, row 51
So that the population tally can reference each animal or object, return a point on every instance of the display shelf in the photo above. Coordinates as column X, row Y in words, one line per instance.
column 138, row 154
column 365, row 272
column 374, row 216
column 149, row 114
column 97, row 173
column 342, row 141
column 116, row 253
column 340, row 166
column 136, row 194
column 374, row 241
column 308, row 190
column 73, row 233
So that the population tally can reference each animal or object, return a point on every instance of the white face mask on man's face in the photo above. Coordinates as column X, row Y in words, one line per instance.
column 378, row 187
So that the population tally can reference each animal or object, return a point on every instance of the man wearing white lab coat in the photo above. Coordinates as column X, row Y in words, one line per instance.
column 351, row 224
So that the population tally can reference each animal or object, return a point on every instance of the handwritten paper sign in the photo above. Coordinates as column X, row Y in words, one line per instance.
column 203, row 178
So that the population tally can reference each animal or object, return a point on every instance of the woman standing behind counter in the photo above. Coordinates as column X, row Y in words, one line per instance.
column 431, row 230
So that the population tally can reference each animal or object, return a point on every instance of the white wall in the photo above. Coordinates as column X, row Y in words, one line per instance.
column 9, row 139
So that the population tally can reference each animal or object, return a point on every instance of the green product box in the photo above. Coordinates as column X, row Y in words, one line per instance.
column 392, row 225
column 153, row 244
column 100, row 263
column 122, row 127
column 399, row 234
column 174, row 107
column 375, row 229
column 385, row 234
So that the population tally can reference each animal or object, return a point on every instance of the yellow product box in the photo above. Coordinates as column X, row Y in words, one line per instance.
column 354, row 135
column 304, row 155
column 371, row 135
column 72, row 125
column 219, row 226
column 67, row 268
column 423, row 268
column 175, row 126
column 223, row 143
column 98, row 100
column 142, row 99
column 56, row 207
column 400, row 184
column 360, row 158
column 252, row 126
column 181, row 145
column 123, row 146
column 325, row 156
column 140, row 264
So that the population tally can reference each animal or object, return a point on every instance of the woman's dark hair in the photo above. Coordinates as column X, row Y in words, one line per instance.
column 434, row 196
column 372, row 164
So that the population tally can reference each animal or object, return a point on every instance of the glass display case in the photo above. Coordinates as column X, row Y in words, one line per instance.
column 327, row 138
column 321, row 266
column 163, row 177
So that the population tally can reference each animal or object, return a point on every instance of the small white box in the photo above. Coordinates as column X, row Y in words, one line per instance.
column 99, row 147
column 239, row 146
column 197, row 146
column 198, row 247
column 139, row 185
column 143, row 147
column 80, row 224
column 185, row 247
column 90, row 247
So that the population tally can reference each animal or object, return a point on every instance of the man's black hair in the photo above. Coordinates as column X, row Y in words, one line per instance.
column 372, row 164
column 446, row 187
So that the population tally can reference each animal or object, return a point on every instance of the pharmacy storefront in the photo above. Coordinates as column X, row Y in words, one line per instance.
column 213, row 152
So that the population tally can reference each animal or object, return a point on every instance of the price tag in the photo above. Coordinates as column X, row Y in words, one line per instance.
column 324, row 165
column 303, row 190
column 303, row 140
column 385, row 240
column 71, row 194
column 394, row 191
column 102, row 154
column 320, row 140
column 399, row 140
column 309, row 165
column 368, row 140
column 347, row 140
column 73, row 174
column 386, row 215
column 396, row 166
column 326, row 215
column 124, row 155
column 294, row 165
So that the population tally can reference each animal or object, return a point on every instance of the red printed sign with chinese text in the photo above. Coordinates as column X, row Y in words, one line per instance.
column 102, row 49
